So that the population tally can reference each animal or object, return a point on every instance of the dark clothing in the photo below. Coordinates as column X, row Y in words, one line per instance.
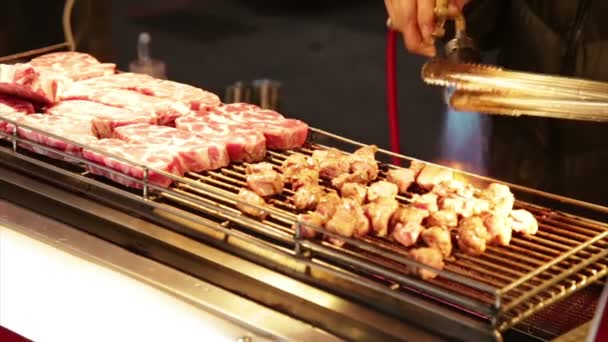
column 562, row 37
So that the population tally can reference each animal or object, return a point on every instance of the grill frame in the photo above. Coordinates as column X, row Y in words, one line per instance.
column 317, row 255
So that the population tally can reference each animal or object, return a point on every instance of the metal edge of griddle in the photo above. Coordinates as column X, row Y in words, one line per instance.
column 327, row 311
column 260, row 321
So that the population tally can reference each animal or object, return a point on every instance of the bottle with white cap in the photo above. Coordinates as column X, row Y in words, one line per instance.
column 144, row 64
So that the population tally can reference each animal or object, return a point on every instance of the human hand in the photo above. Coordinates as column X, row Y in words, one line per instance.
column 415, row 19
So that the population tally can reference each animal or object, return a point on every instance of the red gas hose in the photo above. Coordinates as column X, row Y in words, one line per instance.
column 391, row 93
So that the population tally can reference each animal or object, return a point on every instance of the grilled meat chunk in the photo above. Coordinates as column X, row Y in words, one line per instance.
column 452, row 203
column 426, row 202
column 379, row 213
column 363, row 161
column 500, row 198
column 454, row 187
column 403, row 178
column 305, row 177
column 307, row 221
column 522, row 221
column 356, row 177
column 264, row 180
column 354, row 191
column 409, row 214
column 472, row 236
column 327, row 205
column 407, row 233
column 475, row 206
column 249, row 197
column 332, row 162
column 381, row 189
column 430, row 257
column 447, row 219
column 438, row 238
column 498, row 227
column 431, row 175
column 294, row 165
column 348, row 220
column 307, row 197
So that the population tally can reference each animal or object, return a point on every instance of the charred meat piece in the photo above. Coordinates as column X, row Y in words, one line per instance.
column 475, row 206
column 327, row 204
column 409, row 214
column 500, row 198
column 472, row 236
column 357, row 177
column 428, row 202
column 355, row 191
column 403, row 178
column 307, row 197
column 430, row 257
column 305, row 177
column 332, row 162
column 249, row 197
column 307, row 221
column 438, row 238
column 498, row 227
column 522, row 221
column 294, row 165
column 348, row 220
column 407, row 233
column 379, row 213
column 263, row 179
column 432, row 175
column 363, row 162
column 381, row 189
column 447, row 219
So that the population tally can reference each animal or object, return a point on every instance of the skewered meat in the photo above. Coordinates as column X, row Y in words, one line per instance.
column 332, row 162
column 354, row 191
column 474, row 206
column 249, row 197
column 363, row 162
column 379, row 213
column 294, row 165
column 348, row 220
column 472, row 236
column 439, row 238
column 430, row 257
column 263, row 179
column 500, row 198
column 522, row 221
column 406, row 223
column 357, row 177
column 327, row 204
column 432, row 175
column 407, row 233
column 403, row 178
column 408, row 214
column 304, row 178
column 381, row 189
column 307, row 197
column 452, row 203
column 447, row 219
column 307, row 221
column 498, row 227
column 427, row 201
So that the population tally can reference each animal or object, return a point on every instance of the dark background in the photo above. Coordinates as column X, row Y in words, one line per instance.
column 328, row 55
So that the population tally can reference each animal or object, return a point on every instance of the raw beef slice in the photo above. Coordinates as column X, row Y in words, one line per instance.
column 23, row 81
column 193, row 97
column 70, row 129
column 244, row 144
column 154, row 157
column 280, row 133
column 12, row 109
column 74, row 65
column 104, row 118
column 196, row 154
column 165, row 110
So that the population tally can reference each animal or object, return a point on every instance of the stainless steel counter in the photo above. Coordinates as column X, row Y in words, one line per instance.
column 59, row 283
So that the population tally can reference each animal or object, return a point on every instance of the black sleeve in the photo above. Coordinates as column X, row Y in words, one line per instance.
column 485, row 23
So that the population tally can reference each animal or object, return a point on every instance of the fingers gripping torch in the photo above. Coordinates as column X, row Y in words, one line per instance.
column 460, row 48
